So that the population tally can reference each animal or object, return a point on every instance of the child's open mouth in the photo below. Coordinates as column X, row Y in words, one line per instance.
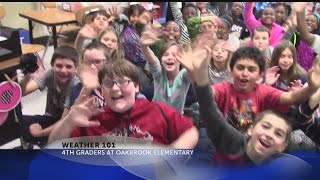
column 244, row 80
column 171, row 37
column 170, row 63
column 116, row 98
column 265, row 143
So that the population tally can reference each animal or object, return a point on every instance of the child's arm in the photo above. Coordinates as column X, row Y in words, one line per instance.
column 85, row 32
column 299, row 7
column 224, row 137
column 307, row 122
column 301, row 95
column 196, row 61
column 28, row 85
column 248, row 17
column 147, row 39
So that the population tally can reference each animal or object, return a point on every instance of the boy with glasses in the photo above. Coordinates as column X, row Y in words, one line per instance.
column 126, row 115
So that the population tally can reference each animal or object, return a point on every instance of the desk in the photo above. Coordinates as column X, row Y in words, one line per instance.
column 49, row 17
column 10, row 64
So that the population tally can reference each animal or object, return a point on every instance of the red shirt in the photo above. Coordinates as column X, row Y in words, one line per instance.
column 144, row 120
column 240, row 108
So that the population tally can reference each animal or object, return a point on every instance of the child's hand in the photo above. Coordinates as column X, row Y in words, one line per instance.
column 295, row 85
column 113, row 12
column 145, row 18
column 272, row 75
column 89, row 78
column 196, row 61
column 148, row 38
column 88, row 31
column 299, row 6
column 83, row 110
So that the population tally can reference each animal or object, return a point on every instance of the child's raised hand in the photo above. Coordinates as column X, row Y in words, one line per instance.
column 89, row 77
column 196, row 61
column 113, row 12
column 88, row 31
column 148, row 38
column 272, row 75
column 299, row 6
column 84, row 109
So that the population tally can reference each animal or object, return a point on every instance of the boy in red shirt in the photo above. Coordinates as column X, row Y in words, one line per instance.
column 126, row 115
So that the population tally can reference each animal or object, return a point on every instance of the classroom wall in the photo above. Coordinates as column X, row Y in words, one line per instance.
column 13, row 19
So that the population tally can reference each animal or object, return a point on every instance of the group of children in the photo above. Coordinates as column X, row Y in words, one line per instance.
column 252, row 93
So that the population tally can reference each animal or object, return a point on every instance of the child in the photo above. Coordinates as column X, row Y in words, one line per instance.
column 284, row 59
column 224, row 31
column 59, row 80
column 260, row 39
column 170, row 84
column 281, row 12
column 241, row 100
column 109, row 37
column 94, row 21
column 313, row 40
column 171, row 33
column 93, row 57
column 267, row 19
column 219, row 64
column 239, row 28
column 266, row 137
column 203, row 24
column 202, row 8
column 188, row 11
column 125, row 115
column 130, row 37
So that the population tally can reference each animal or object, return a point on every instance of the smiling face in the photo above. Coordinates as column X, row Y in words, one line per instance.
column 64, row 69
column 172, row 32
column 134, row 18
column 119, row 99
column 268, row 16
column 168, row 60
column 245, row 73
column 268, row 136
column 312, row 23
column 286, row 60
column 260, row 40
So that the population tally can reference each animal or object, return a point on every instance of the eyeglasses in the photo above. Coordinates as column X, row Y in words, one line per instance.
column 96, row 62
column 121, row 83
